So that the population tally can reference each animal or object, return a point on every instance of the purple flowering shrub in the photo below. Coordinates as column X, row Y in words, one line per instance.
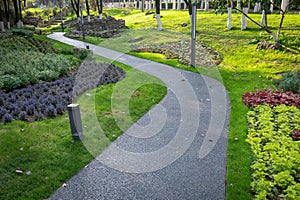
column 50, row 99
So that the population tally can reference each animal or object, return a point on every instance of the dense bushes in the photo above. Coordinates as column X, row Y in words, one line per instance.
column 32, row 68
column 276, row 165
column 26, row 44
column 22, row 32
column 290, row 82
column 49, row 99
column 272, row 98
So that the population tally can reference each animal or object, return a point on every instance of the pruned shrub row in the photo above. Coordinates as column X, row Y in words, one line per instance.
column 272, row 134
column 50, row 99
column 19, row 69
column 271, row 97
column 28, row 44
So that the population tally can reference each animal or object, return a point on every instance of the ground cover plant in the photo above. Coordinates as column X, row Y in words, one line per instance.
column 50, row 99
column 272, row 98
column 276, row 151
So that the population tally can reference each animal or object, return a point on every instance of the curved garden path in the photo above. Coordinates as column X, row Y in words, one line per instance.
column 176, row 151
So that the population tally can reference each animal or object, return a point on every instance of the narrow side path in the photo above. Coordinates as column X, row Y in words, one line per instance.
column 176, row 151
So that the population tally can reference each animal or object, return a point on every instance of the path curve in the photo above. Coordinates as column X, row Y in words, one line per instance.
column 197, row 106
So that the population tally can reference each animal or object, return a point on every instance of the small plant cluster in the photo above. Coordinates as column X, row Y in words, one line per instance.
column 290, row 81
column 31, row 69
column 28, row 44
column 50, row 99
column 276, row 164
column 272, row 98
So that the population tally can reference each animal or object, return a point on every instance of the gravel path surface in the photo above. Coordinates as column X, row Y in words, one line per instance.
column 176, row 151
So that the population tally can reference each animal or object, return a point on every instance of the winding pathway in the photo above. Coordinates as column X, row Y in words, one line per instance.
column 176, row 151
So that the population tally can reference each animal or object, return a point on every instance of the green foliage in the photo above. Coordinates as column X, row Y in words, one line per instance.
column 29, row 27
column 83, row 53
column 290, row 81
column 32, row 68
column 28, row 44
column 29, row 14
column 22, row 32
column 276, row 164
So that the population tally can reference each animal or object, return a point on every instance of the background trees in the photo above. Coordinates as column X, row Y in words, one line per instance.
column 265, row 6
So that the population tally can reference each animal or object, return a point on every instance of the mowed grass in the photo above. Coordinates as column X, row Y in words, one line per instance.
column 45, row 152
column 243, row 68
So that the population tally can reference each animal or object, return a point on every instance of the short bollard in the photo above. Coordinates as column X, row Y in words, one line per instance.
column 75, row 121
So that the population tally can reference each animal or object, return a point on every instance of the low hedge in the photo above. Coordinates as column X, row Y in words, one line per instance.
column 276, row 151
column 31, row 69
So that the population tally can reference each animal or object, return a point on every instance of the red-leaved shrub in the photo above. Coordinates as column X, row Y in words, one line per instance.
column 272, row 98
column 296, row 135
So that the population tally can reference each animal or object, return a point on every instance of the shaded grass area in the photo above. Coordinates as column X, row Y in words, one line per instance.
column 243, row 68
column 45, row 150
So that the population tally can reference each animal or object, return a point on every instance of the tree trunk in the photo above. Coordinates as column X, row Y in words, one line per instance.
column 157, row 8
column 238, row 5
column 2, row 26
column 272, row 6
column 206, row 5
column 75, row 6
column 174, row 4
column 100, row 8
column 143, row 5
column 20, row 11
column 6, row 10
column 229, row 9
column 88, row 10
column 277, row 40
column 15, row 3
column 189, row 5
column 244, row 19
column 284, row 5
column 202, row 4
column 263, row 19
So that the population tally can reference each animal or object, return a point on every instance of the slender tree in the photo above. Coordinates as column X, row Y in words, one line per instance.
column 75, row 5
column 143, row 5
column 1, row 18
column 157, row 8
column 283, row 10
column 189, row 5
column 16, row 9
column 100, row 7
column 6, row 10
column 88, row 10
column 20, row 9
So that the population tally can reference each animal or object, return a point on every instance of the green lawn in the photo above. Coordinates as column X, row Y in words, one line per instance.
column 243, row 68
column 45, row 152
column 46, row 148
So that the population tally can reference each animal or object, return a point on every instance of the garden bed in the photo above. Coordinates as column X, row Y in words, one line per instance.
column 205, row 56
column 50, row 99
column 276, row 151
